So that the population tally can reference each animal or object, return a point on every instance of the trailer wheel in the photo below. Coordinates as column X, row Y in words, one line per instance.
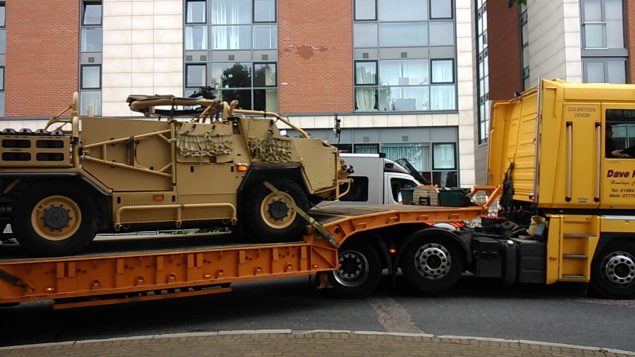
column 433, row 265
column 613, row 270
column 55, row 219
column 359, row 270
column 270, row 218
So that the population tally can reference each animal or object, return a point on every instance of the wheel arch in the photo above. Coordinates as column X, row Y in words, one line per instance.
column 257, row 173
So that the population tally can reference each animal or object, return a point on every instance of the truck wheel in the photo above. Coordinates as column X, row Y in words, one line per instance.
column 359, row 270
column 613, row 271
column 433, row 265
column 269, row 217
column 54, row 219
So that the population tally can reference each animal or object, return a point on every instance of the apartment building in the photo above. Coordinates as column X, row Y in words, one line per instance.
column 574, row 40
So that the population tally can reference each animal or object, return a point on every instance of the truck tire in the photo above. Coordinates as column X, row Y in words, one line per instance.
column 55, row 219
column 613, row 271
column 269, row 218
column 433, row 264
column 359, row 271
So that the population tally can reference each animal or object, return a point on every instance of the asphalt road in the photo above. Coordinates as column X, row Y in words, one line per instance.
column 478, row 308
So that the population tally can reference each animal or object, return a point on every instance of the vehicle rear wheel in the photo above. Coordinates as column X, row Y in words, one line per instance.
column 55, row 219
column 433, row 265
column 613, row 270
column 269, row 217
column 359, row 271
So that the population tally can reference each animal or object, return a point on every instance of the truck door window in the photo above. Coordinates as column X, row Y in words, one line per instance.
column 359, row 190
column 620, row 133
column 399, row 184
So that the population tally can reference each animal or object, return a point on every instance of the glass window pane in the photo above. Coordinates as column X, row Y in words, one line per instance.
column 365, row 35
column 264, row 10
column 594, row 35
column 442, row 71
column 592, row 11
column 243, row 96
column 231, row 37
column 92, row 14
column 196, row 74
column 616, row 71
column 91, row 39
column 442, row 98
column 366, row 99
column 440, row 9
column 1, row 78
column 403, row 98
column 366, row 72
column 229, row 12
column 231, row 75
column 397, row 35
column 265, row 36
column 90, row 101
column 412, row 152
column 91, row 77
column 366, row 148
column 365, row 10
column 195, row 12
column 266, row 99
column 264, row 74
column 3, row 41
column 3, row 15
column 402, row 10
column 2, row 104
column 594, row 72
column 403, row 72
column 441, row 34
column 196, row 37
column 443, row 156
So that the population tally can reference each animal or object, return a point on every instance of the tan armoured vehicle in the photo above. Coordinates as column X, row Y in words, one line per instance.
column 78, row 176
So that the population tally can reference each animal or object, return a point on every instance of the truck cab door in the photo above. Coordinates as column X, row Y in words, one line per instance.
column 617, row 174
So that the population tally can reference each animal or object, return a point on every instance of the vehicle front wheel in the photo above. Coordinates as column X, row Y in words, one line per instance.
column 54, row 219
column 270, row 218
column 613, row 270
column 433, row 265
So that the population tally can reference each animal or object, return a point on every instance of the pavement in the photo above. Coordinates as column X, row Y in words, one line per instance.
column 305, row 343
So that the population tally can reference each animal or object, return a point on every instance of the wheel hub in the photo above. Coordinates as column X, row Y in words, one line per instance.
column 56, row 218
column 353, row 269
column 278, row 210
column 433, row 261
column 620, row 268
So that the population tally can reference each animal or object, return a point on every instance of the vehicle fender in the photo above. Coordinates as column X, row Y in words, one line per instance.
column 433, row 232
column 257, row 173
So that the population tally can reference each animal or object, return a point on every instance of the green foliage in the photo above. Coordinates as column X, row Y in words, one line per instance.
column 511, row 3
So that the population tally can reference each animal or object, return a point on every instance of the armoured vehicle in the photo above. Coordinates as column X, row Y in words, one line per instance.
column 83, row 175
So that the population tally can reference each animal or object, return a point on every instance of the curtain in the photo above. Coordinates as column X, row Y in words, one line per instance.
column 442, row 98
column 444, row 157
column 196, row 37
column 412, row 152
column 265, row 37
column 365, row 99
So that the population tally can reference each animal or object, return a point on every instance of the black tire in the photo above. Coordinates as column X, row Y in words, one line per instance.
column 613, row 271
column 269, row 218
column 433, row 264
column 54, row 219
column 359, row 271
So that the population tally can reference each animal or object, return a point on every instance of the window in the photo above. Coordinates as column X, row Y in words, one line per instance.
column 604, row 70
column 443, row 157
column 195, row 12
column 365, row 10
column 233, row 50
column 603, row 25
column 3, row 15
column 482, row 72
column 395, row 42
column 2, row 91
column 620, row 133
column 91, row 14
column 264, row 11
column 90, row 65
column 91, row 77
column 524, row 39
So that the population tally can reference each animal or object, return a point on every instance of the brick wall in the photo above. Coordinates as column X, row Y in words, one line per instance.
column 503, row 30
column 316, row 59
column 42, row 56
